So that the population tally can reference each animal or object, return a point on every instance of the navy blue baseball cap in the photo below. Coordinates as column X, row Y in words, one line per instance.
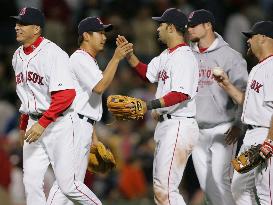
column 201, row 16
column 173, row 16
column 93, row 24
column 30, row 16
column 261, row 27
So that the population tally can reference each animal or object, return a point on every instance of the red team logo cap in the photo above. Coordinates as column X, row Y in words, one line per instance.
column 30, row 16
column 93, row 24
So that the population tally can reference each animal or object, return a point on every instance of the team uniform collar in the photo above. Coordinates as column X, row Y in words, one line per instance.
column 174, row 48
column 28, row 50
column 265, row 58
column 81, row 49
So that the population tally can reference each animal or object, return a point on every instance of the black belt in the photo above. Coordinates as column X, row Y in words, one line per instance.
column 168, row 116
column 251, row 127
column 37, row 116
column 92, row 122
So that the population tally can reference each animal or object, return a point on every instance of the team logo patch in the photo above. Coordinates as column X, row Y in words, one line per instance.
column 255, row 85
column 23, row 11
column 163, row 76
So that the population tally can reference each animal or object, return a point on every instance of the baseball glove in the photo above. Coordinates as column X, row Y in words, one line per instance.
column 101, row 159
column 117, row 106
column 248, row 159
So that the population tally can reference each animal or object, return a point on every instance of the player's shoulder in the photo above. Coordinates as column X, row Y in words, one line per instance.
column 183, row 52
column 268, row 64
column 53, row 48
column 80, row 55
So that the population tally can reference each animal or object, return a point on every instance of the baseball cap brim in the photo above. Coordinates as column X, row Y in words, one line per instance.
column 248, row 34
column 20, row 20
column 158, row 19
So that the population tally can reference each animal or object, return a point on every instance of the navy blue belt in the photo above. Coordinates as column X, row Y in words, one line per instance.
column 161, row 118
column 91, row 121
column 37, row 116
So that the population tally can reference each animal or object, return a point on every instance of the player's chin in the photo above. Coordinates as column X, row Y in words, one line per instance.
column 19, row 39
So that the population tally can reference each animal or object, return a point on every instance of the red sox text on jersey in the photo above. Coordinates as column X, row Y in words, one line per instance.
column 31, row 76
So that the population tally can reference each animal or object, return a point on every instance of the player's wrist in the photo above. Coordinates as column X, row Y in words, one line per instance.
column 153, row 104
column 266, row 149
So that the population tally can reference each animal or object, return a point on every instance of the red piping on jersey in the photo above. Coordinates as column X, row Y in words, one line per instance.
column 202, row 50
column 172, row 164
column 60, row 101
column 174, row 48
column 141, row 69
column 23, row 122
column 28, row 50
column 174, row 97
column 265, row 58
column 54, row 195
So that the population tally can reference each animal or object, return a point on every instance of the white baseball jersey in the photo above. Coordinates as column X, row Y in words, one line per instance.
column 175, row 70
column 40, row 73
column 258, row 107
column 87, row 75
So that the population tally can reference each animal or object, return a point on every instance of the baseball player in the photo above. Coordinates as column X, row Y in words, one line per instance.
column 48, row 125
column 90, row 84
column 176, row 72
column 257, row 103
column 217, row 115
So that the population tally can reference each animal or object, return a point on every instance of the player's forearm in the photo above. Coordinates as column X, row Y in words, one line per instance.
column 171, row 98
column 108, row 76
column 132, row 60
column 237, row 95
column 95, row 139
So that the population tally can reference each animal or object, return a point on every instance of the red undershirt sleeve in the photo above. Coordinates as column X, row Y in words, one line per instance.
column 141, row 69
column 173, row 98
column 23, row 122
column 60, row 101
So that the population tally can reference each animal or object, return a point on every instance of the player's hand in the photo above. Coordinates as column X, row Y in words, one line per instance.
column 232, row 135
column 122, row 50
column 34, row 133
column 120, row 40
column 22, row 134
column 222, row 79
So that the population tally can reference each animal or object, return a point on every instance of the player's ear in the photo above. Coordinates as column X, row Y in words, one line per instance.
column 37, row 30
column 85, row 36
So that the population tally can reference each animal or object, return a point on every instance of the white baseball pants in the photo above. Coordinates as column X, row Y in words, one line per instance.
column 85, row 129
column 174, row 139
column 256, row 185
column 211, row 158
column 57, row 146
